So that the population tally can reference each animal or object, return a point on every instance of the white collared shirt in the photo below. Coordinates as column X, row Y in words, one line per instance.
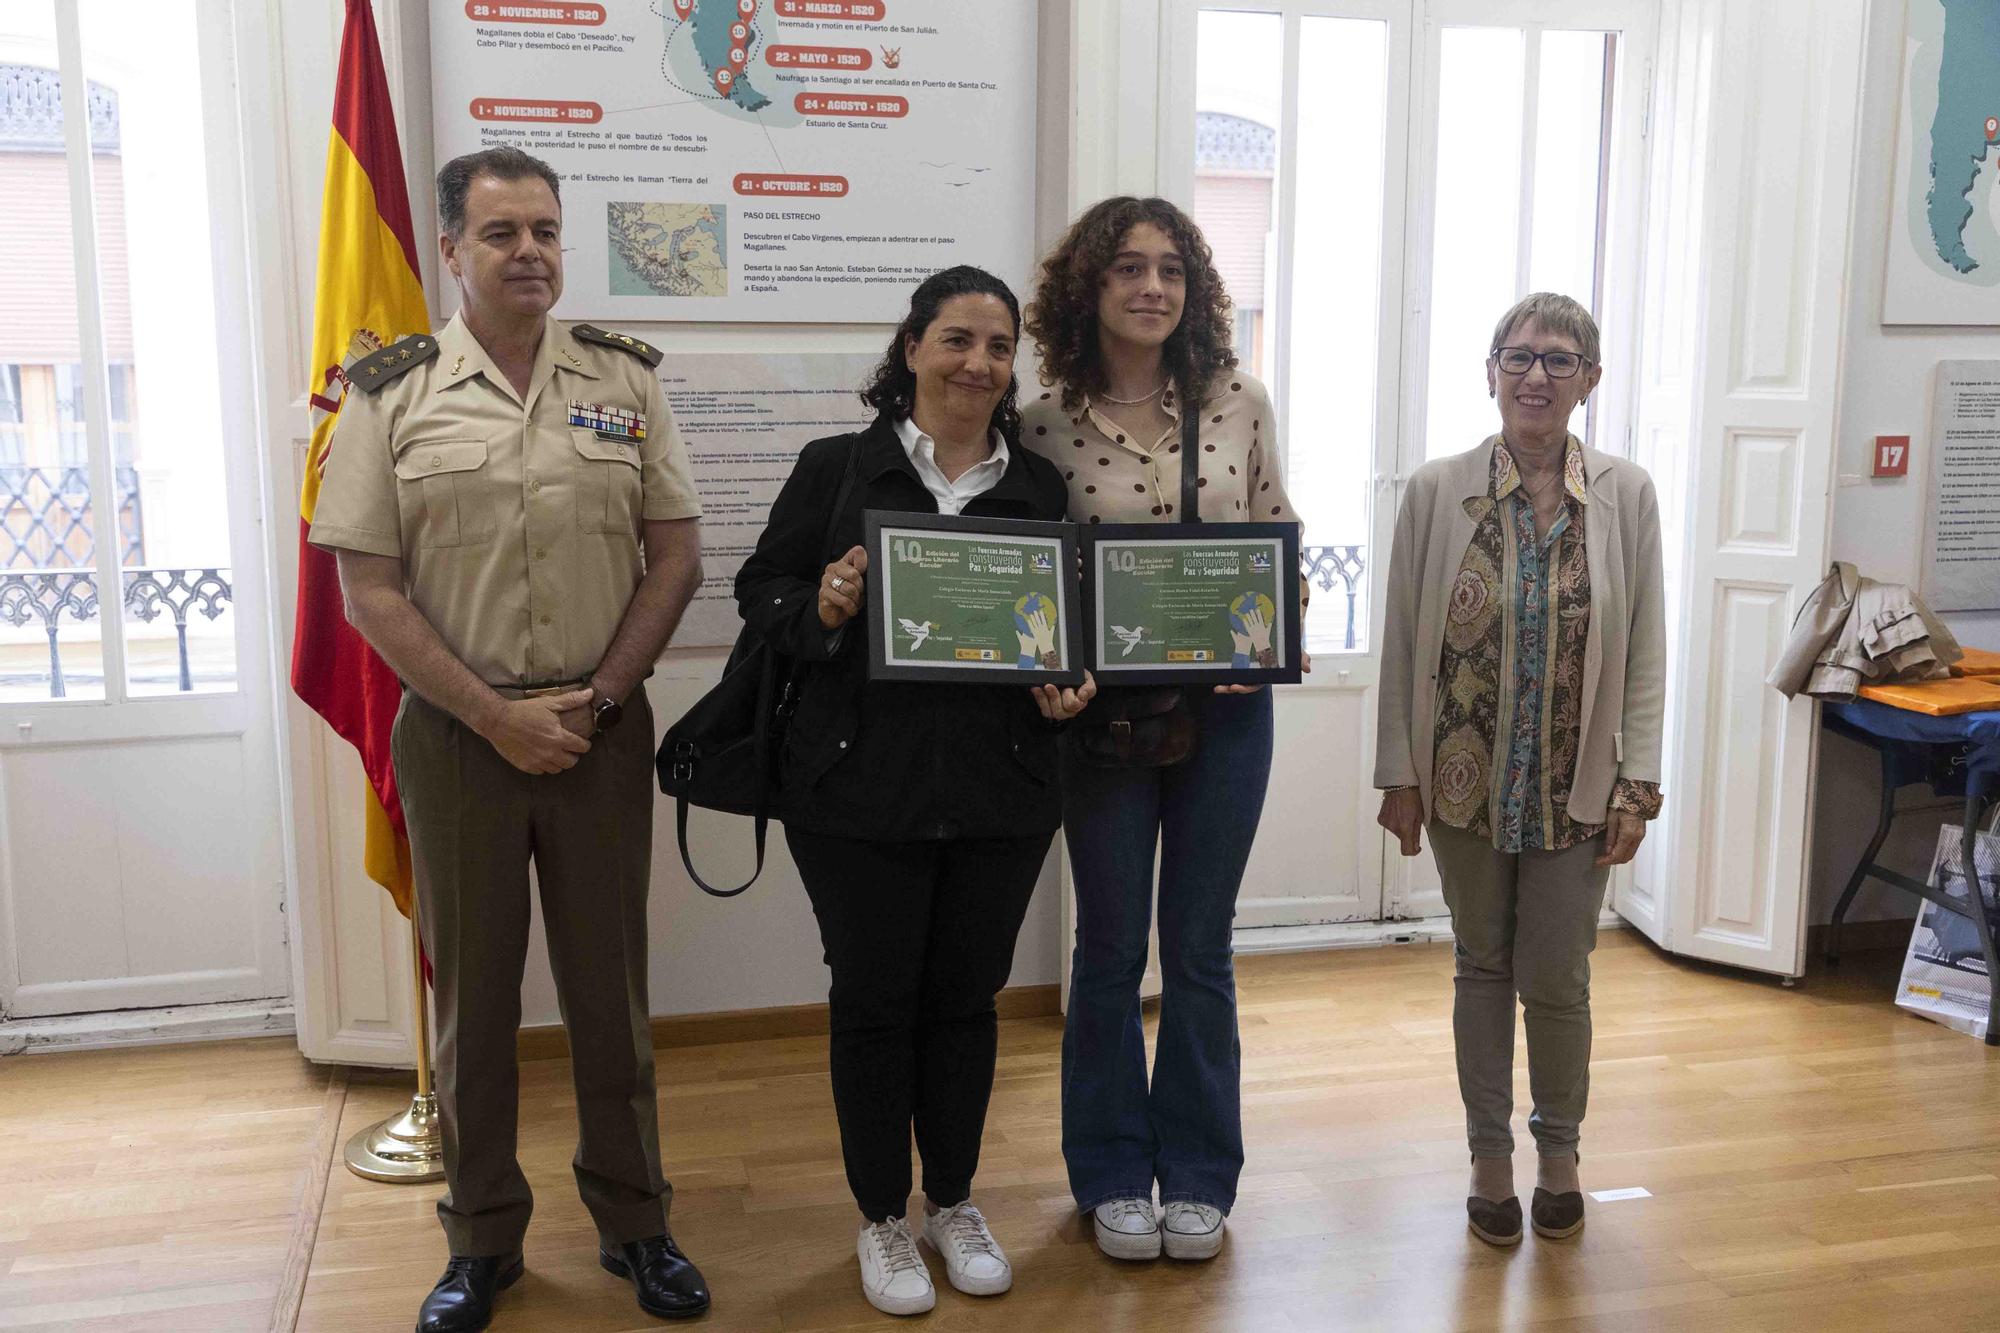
column 951, row 496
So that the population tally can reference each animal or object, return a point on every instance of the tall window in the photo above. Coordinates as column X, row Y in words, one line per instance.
column 115, row 578
column 1443, row 161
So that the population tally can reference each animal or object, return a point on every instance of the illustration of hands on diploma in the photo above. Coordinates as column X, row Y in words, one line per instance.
column 1034, row 629
column 1250, row 617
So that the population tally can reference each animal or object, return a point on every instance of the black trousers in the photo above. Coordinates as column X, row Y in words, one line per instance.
column 920, row 937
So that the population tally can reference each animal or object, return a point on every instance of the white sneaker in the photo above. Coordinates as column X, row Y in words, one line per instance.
column 1191, row 1230
column 893, row 1276
column 1127, row 1229
column 972, row 1258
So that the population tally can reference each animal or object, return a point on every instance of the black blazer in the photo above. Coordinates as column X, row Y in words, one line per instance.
column 894, row 761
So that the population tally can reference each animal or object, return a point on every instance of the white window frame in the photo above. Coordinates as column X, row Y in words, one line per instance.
column 1408, row 215
column 119, row 714
column 1636, row 22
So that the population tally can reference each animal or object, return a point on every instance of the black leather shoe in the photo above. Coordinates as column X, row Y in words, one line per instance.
column 1494, row 1223
column 1557, row 1216
column 462, row 1301
column 668, row 1285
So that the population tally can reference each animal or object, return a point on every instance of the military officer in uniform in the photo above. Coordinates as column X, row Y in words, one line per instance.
column 517, row 536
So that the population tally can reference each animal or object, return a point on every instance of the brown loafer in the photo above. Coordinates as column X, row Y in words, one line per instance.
column 1495, row 1223
column 1557, row 1216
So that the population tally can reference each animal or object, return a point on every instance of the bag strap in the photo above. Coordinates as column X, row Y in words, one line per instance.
column 1190, row 463
column 770, row 698
column 840, row 501
column 687, row 861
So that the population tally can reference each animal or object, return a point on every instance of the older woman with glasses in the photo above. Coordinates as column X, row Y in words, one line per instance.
column 1523, row 668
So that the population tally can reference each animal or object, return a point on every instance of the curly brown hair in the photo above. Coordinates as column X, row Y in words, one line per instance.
column 1062, row 317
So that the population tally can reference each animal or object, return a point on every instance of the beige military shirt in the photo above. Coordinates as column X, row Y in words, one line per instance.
column 518, row 522
column 1113, row 479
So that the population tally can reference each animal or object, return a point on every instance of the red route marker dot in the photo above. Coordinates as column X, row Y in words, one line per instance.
column 1993, row 127
column 746, row 7
column 738, row 57
column 724, row 79
column 739, row 32
column 683, row 7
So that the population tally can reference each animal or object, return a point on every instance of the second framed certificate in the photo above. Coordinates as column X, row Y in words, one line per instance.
column 971, row 599
column 1215, row 603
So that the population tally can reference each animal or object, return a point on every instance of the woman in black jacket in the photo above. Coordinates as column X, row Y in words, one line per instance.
column 919, row 815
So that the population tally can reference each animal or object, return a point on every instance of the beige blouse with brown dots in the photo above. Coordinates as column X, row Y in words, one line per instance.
column 1113, row 479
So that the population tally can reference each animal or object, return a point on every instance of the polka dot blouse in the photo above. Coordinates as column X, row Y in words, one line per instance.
column 1113, row 479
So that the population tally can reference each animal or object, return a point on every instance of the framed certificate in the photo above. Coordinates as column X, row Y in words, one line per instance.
column 987, row 599
column 1179, row 603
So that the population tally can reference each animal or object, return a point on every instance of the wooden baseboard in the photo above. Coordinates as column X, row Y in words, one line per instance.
column 550, row 1042
column 1861, row 936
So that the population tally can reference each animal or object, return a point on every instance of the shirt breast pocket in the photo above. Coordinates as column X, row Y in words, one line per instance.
column 608, row 483
column 445, row 486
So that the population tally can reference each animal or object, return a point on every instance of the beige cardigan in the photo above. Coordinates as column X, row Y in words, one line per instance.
column 1624, row 655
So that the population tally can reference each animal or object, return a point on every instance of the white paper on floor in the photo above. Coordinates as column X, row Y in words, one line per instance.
column 1613, row 1196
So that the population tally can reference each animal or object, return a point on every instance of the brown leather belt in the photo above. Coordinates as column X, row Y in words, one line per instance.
column 539, row 691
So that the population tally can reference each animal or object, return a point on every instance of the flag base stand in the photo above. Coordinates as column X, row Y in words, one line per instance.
column 406, row 1149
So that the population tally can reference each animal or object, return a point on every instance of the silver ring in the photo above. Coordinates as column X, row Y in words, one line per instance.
column 837, row 581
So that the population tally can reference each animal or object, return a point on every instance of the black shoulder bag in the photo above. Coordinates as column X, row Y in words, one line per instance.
column 721, row 753
column 1146, row 726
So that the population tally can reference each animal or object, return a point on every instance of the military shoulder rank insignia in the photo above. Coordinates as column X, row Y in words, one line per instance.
column 372, row 372
column 610, row 423
column 624, row 342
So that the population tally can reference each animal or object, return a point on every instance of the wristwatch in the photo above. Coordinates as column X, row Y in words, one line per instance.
column 605, row 714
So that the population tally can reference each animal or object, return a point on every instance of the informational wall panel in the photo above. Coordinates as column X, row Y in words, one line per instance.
column 1962, row 539
column 744, row 417
column 781, row 160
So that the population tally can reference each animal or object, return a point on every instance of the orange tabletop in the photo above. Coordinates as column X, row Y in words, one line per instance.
column 1940, row 698
column 1977, row 662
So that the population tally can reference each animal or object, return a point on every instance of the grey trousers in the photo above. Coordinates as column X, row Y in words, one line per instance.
column 475, row 821
column 1526, row 923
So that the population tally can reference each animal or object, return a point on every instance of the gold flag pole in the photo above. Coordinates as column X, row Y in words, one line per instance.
column 406, row 1149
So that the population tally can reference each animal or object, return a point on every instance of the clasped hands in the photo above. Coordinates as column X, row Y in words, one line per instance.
column 843, row 582
column 1402, row 813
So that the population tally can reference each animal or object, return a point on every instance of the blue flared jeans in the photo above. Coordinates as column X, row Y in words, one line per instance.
column 1184, row 1129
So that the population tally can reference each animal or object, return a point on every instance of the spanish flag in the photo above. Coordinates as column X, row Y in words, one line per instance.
column 368, row 295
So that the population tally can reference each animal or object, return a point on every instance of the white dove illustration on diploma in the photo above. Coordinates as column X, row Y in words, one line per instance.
column 917, row 630
column 1131, row 638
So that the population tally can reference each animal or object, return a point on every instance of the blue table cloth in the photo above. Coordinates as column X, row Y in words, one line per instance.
column 1957, row 755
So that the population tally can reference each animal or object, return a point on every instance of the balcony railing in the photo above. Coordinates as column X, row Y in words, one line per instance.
column 46, row 518
column 50, row 598
column 1323, row 565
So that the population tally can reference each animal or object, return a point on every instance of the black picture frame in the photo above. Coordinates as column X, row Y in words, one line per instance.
column 881, row 527
column 1108, row 672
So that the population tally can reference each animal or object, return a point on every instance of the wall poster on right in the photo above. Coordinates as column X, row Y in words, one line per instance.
column 1962, row 539
column 1944, row 212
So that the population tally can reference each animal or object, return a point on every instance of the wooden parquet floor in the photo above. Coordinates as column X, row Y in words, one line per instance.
column 1816, row 1160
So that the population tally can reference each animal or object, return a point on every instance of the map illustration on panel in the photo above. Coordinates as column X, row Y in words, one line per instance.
column 1944, row 233
column 667, row 249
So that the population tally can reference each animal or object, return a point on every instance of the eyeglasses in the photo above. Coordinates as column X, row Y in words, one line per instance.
column 1521, row 360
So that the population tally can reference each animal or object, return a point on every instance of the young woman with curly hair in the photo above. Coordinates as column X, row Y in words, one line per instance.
column 1133, row 327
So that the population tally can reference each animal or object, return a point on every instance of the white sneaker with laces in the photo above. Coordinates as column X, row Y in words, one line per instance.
column 972, row 1258
column 1127, row 1229
column 893, row 1276
column 1191, row 1230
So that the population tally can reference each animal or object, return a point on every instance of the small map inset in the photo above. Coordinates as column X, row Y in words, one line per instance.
column 667, row 249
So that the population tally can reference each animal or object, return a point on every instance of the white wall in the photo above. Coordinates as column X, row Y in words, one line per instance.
column 761, row 949
column 1879, row 525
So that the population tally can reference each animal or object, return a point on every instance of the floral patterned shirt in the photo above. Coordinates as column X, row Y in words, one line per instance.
column 1521, row 600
